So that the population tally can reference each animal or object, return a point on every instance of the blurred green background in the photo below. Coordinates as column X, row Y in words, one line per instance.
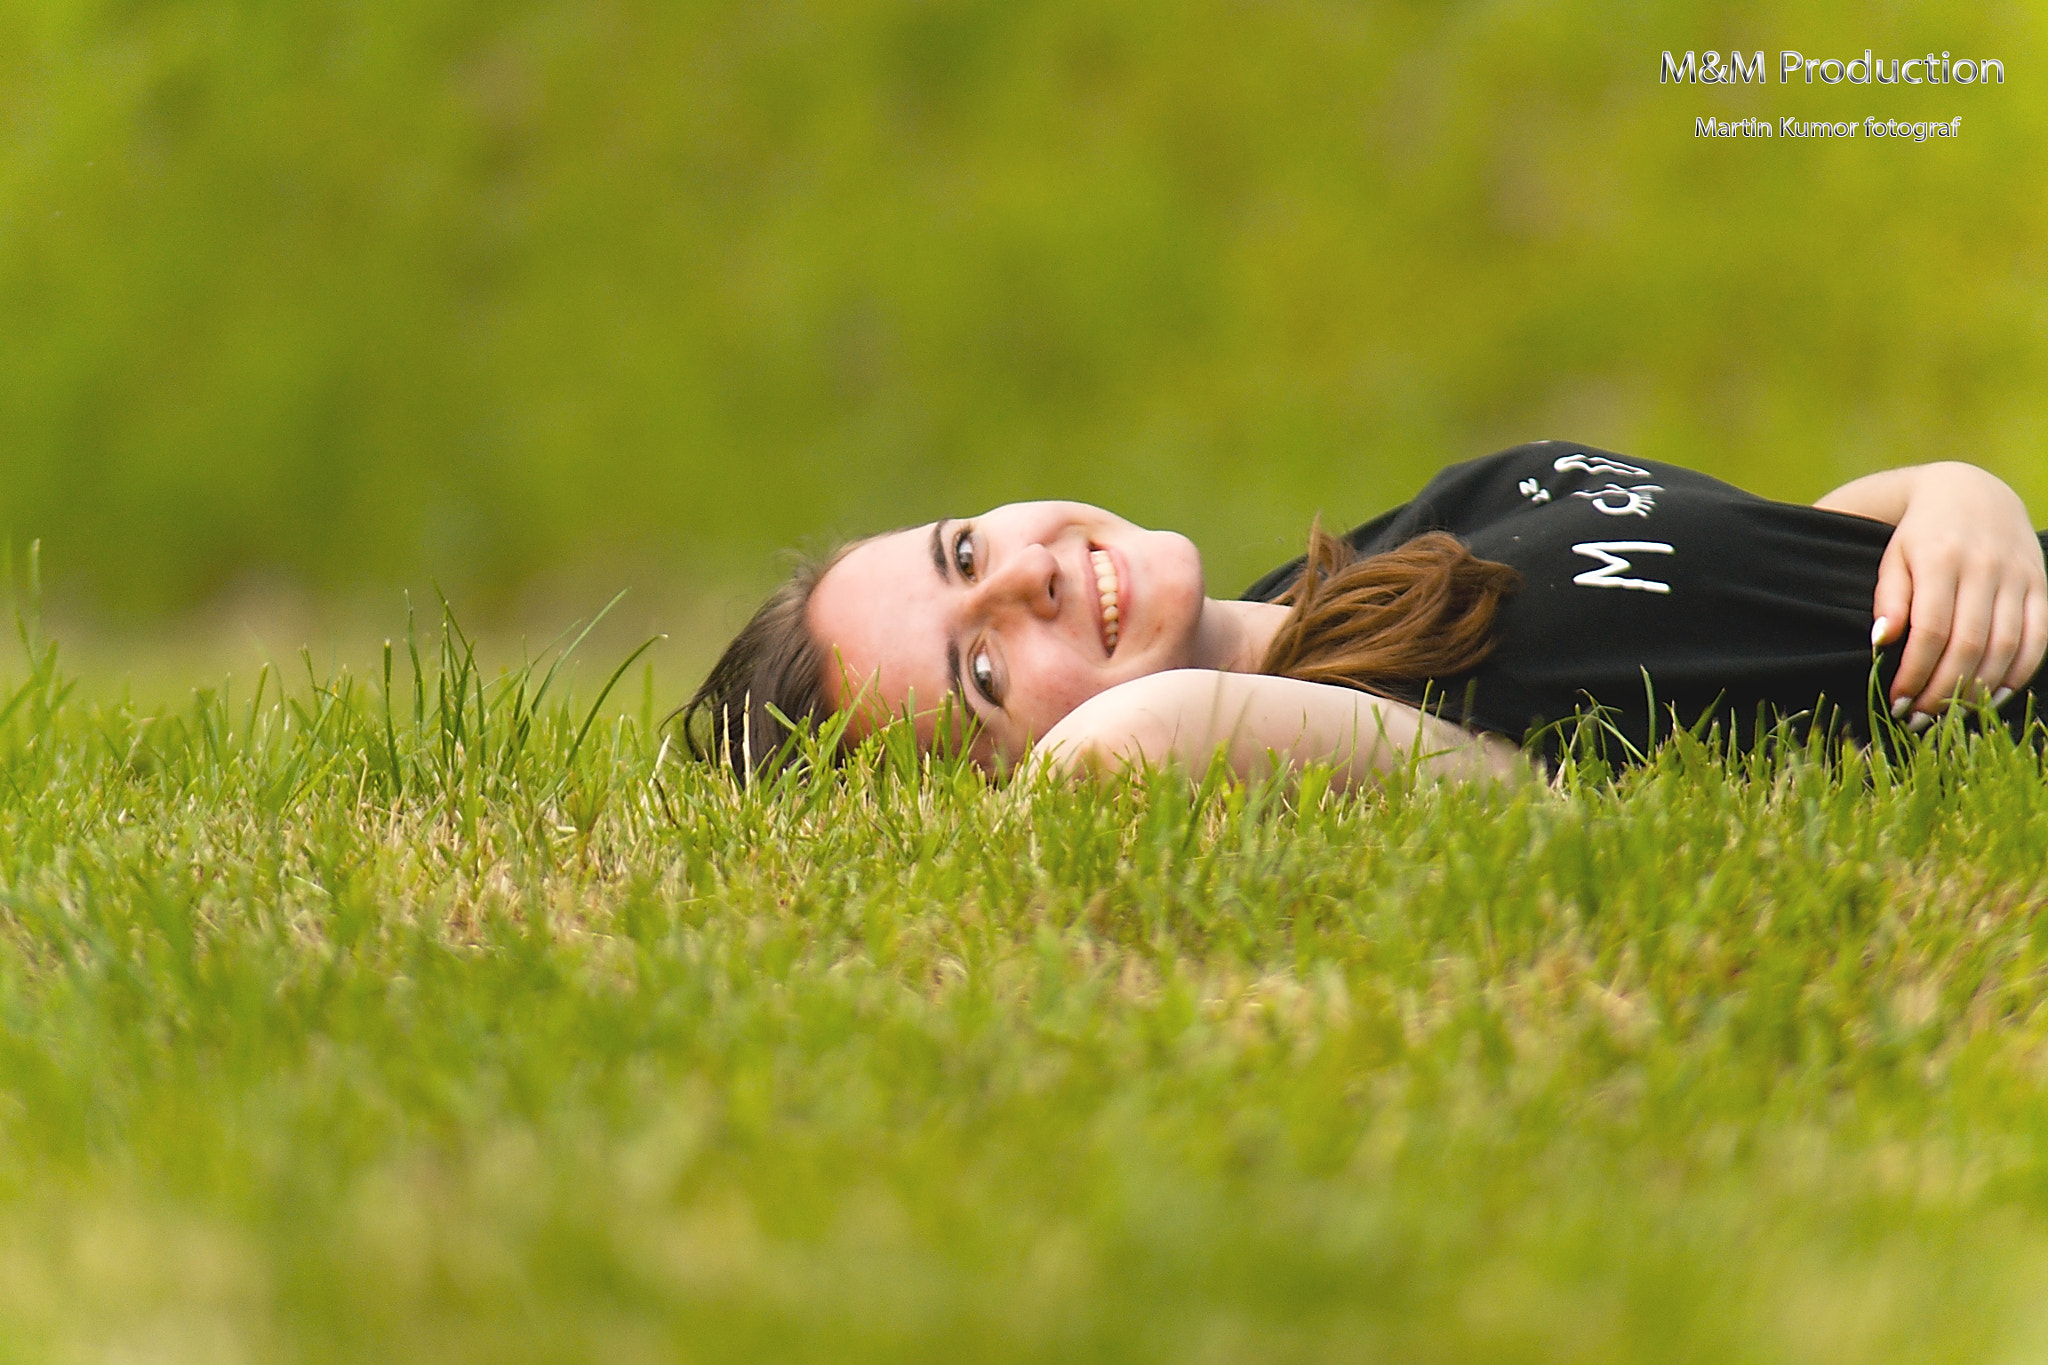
column 305, row 304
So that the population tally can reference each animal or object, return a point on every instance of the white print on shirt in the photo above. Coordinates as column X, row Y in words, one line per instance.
column 1612, row 564
column 1598, row 465
column 1617, row 501
column 1534, row 491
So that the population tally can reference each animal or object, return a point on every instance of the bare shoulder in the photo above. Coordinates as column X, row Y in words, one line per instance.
column 1164, row 694
column 1257, row 718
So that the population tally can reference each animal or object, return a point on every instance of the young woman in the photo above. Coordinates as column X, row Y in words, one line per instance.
column 1513, row 593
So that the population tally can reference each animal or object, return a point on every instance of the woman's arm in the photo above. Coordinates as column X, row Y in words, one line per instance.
column 1257, row 719
column 1964, row 570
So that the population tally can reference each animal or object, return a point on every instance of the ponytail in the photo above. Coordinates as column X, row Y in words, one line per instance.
column 1388, row 623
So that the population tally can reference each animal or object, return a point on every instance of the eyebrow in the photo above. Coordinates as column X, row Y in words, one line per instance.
column 939, row 567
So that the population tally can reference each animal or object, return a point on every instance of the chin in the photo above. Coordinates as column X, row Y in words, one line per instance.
column 1184, row 550
column 1176, row 591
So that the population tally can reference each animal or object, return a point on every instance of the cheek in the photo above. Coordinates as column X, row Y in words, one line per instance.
column 1049, row 687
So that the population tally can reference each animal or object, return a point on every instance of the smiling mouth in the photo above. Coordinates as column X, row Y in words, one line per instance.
column 1106, row 587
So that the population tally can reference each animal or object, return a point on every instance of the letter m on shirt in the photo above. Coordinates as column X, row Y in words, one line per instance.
column 1682, row 72
column 1611, row 555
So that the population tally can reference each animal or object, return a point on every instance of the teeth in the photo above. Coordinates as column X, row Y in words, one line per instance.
column 1106, row 589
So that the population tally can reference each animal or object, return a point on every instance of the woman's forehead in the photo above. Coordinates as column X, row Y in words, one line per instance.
column 877, row 617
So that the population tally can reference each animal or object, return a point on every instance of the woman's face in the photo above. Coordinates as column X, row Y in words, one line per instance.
column 1015, row 617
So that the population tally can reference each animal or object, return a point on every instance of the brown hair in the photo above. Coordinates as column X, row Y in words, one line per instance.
column 1388, row 622
column 773, row 665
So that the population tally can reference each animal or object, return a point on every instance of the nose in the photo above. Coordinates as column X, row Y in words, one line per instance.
column 1028, row 577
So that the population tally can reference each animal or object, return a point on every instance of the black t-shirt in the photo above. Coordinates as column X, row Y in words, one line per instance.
column 1644, row 580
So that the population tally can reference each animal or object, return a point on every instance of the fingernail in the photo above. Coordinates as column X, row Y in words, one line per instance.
column 1919, row 723
column 1884, row 623
column 1901, row 707
column 2000, row 697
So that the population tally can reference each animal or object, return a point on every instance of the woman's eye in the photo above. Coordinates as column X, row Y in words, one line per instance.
column 984, row 674
column 963, row 554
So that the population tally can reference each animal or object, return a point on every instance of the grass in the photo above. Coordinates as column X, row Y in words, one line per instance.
column 430, row 1018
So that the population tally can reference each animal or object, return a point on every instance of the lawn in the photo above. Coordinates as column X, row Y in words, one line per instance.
column 405, row 1017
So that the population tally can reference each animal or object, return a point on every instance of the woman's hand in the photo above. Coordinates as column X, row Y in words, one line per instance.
column 1962, row 578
